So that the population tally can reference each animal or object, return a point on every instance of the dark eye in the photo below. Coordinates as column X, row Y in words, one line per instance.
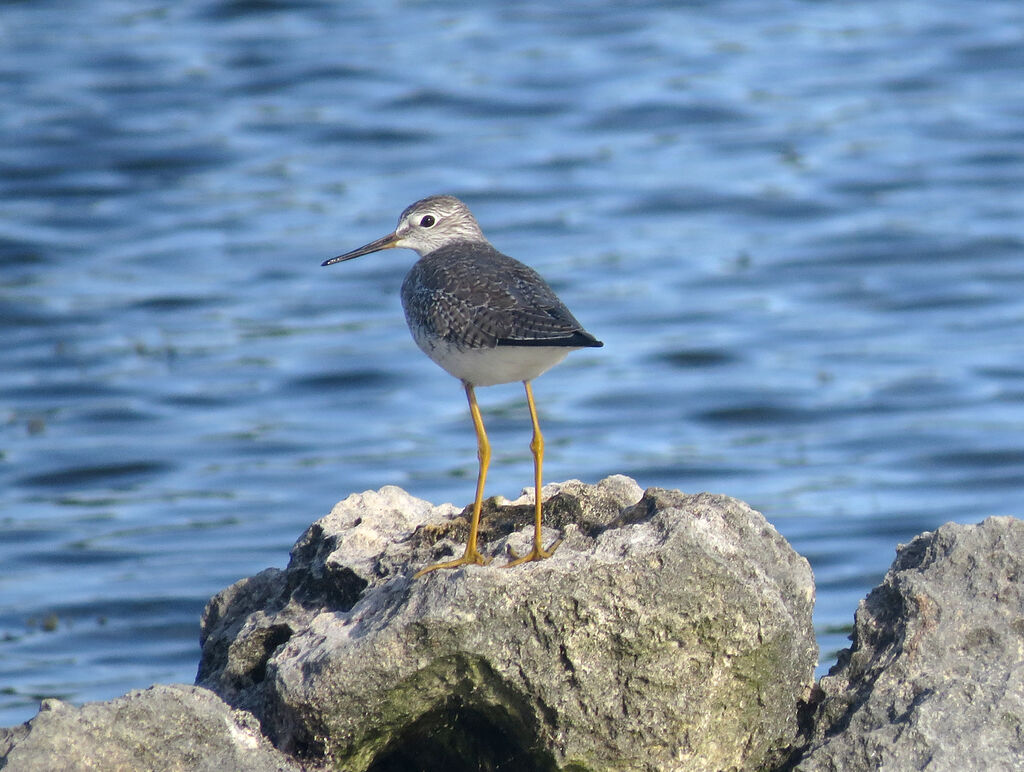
column 427, row 221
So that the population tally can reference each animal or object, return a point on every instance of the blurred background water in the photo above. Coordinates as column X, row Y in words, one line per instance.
column 797, row 226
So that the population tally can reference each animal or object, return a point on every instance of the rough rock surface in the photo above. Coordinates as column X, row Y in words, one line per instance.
column 162, row 728
column 668, row 631
column 935, row 676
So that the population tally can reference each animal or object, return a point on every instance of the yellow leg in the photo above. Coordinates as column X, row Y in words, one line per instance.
column 537, row 446
column 471, row 555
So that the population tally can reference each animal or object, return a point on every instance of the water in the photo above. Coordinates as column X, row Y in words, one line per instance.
column 797, row 227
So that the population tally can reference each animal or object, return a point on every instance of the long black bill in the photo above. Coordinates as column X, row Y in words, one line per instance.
column 387, row 242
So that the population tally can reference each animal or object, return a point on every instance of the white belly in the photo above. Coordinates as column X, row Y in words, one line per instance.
column 490, row 366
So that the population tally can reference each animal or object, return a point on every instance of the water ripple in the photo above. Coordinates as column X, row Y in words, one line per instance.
column 795, row 226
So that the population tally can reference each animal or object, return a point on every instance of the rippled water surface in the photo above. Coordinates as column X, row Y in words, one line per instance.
column 798, row 227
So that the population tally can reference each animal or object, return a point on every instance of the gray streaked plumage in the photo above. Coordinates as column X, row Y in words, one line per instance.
column 470, row 294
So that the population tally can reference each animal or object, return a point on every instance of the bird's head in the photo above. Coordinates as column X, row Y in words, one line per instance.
column 425, row 226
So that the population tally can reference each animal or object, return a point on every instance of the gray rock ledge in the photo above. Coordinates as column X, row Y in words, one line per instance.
column 935, row 676
column 162, row 728
column 669, row 631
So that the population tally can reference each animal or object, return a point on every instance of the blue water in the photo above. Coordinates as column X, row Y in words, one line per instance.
column 797, row 226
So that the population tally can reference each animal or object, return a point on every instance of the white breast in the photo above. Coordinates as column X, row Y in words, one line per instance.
column 490, row 366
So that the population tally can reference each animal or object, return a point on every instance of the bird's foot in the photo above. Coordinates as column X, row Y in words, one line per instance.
column 469, row 557
column 537, row 553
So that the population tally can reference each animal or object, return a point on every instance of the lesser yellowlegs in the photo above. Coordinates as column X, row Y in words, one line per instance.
column 486, row 319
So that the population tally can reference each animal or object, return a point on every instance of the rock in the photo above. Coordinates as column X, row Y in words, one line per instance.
column 162, row 728
column 935, row 676
column 668, row 631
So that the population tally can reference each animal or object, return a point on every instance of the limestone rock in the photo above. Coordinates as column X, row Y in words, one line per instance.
column 935, row 676
column 668, row 631
column 162, row 728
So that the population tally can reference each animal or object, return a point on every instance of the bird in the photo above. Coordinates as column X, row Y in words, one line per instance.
column 486, row 319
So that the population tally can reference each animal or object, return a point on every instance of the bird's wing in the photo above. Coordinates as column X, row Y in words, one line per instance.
column 488, row 299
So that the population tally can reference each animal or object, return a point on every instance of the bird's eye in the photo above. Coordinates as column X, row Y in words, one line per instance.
column 427, row 221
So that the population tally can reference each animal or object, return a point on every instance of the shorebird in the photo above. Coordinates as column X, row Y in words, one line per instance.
column 486, row 319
